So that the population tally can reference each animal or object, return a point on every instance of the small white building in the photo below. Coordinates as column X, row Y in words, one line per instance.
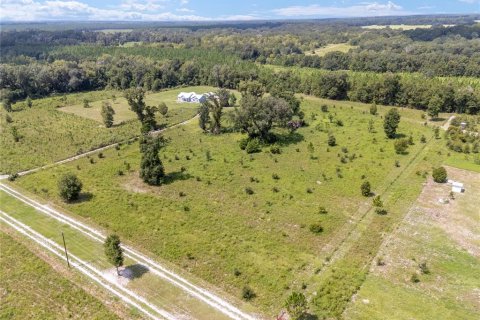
column 191, row 97
column 457, row 187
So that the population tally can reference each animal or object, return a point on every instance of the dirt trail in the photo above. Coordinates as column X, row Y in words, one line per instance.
column 197, row 292
column 70, row 159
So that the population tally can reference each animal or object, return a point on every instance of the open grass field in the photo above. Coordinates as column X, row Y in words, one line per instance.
column 342, row 47
column 403, row 26
column 203, row 220
column 177, row 112
column 158, row 291
column 445, row 237
column 31, row 289
column 48, row 134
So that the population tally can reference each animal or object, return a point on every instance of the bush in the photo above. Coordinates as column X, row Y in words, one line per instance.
column 322, row 210
column 249, row 190
column 401, row 146
column 253, row 146
column 373, row 109
column 423, row 268
column 381, row 211
column 365, row 188
column 377, row 202
column 324, row 108
column 275, row 176
column 414, row 278
column 439, row 175
column 316, row 228
column 243, row 143
column 247, row 293
column 69, row 187
column 275, row 150
column 13, row 177
column 331, row 140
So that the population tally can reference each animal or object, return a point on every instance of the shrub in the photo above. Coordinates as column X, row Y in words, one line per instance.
column 423, row 268
column 237, row 272
column 322, row 210
column 365, row 188
column 423, row 139
column 373, row 109
column 296, row 305
column 401, row 146
column 8, row 119
column 339, row 123
column 275, row 150
column 331, row 140
column 439, row 175
column 316, row 228
column 381, row 211
column 391, row 121
column 243, row 143
column 275, row 176
column 377, row 202
column 247, row 293
column 275, row 189
column 249, row 190
column 324, row 108
column 414, row 278
column 253, row 146
column 12, row 177
column 69, row 187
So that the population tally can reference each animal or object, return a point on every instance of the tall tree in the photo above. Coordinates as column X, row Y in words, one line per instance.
column 151, row 167
column 113, row 251
column 390, row 123
column 215, row 103
column 135, row 98
column 69, row 187
column 203, row 117
column 257, row 116
column 107, row 114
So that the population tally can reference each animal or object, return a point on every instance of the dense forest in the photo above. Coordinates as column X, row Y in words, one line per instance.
column 420, row 68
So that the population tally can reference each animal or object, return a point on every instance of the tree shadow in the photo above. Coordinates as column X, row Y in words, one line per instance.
column 288, row 139
column 308, row 316
column 134, row 271
column 176, row 176
column 438, row 119
column 400, row 136
column 83, row 197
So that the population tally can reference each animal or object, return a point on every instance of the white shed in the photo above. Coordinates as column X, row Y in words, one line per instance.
column 457, row 187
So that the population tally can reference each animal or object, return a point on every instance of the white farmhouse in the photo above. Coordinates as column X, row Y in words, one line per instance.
column 191, row 97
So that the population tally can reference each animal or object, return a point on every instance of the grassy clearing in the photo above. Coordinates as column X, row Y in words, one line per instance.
column 342, row 47
column 32, row 290
column 203, row 220
column 176, row 111
column 155, row 289
column 48, row 135
column 440, row 235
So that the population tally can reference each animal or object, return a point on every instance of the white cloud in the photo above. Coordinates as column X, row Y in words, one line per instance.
column 362, row 9
column 31, row 10
column 185, row 10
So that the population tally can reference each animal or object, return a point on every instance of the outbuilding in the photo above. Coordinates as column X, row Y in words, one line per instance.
column 457, row 187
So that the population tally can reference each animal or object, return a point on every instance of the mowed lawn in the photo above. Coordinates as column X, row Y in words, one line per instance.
column 443, row 237
column 123, row 112
column 31, row 289
column 341, row 47
column 203, row 220
column 48, row 134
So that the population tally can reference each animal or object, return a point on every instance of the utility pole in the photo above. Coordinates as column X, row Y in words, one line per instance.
column 65, row 247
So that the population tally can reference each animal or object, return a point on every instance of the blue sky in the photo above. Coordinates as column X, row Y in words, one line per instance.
column 188, row 10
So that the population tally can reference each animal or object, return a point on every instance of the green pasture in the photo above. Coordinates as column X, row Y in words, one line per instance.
column 203, row 220
column 31, row 289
